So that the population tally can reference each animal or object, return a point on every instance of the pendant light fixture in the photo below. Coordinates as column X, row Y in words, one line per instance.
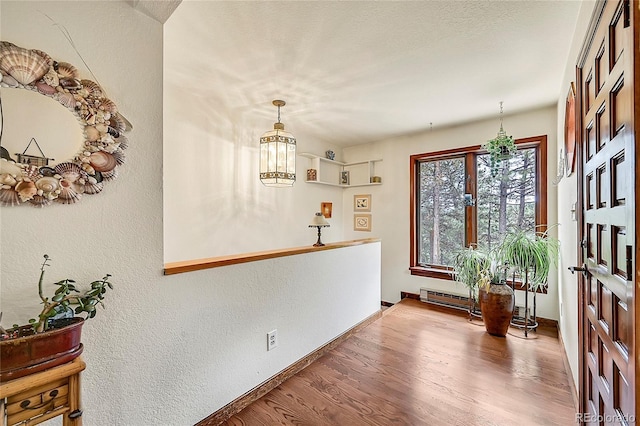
column 278, row 155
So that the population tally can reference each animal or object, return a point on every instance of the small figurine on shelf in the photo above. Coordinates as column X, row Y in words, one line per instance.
column 330, row 155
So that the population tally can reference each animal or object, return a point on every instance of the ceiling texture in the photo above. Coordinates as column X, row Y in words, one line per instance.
column 354, row 72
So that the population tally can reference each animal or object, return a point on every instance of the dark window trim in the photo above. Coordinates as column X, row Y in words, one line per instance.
column 444, row 273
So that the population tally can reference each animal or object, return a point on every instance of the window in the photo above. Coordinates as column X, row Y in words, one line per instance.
column 456, row 201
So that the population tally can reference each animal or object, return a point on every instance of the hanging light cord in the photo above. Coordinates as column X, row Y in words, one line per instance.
column 278, row 113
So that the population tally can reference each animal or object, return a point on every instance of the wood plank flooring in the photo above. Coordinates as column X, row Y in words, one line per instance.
column 419, row 365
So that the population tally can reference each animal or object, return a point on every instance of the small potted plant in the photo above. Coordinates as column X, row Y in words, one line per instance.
column 500, row 149
column 54, row 337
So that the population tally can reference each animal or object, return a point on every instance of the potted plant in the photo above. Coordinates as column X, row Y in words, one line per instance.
column 54, row 337
column 469, row 265
column 496, row 298
column 531, row 255
column 500, row 149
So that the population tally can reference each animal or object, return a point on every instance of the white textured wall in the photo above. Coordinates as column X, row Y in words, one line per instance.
column 567, row 196
column 167, row 350
column 214, row 203
column 390, row 201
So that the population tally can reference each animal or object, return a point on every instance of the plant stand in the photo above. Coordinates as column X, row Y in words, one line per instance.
column 41, row 396
column 473, row 311
column 525, row 323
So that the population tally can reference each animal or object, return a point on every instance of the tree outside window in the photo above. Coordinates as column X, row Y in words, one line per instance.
column 456, row 202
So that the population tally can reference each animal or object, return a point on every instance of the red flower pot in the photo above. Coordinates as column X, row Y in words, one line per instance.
column 39, row 351
column 496, row 304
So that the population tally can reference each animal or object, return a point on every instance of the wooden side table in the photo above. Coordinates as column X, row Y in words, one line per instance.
column 43, row 396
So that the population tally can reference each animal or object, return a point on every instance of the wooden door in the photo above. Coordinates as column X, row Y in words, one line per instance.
column 607, row 186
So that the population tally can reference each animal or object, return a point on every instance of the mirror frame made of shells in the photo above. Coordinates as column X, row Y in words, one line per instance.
column 100, row 155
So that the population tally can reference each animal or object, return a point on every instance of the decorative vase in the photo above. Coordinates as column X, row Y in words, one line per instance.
column 33, row 352
column 496, row 304
column 330, row 155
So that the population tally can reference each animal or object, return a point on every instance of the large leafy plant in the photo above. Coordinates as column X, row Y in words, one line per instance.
column 531, row 254
column 470, row 266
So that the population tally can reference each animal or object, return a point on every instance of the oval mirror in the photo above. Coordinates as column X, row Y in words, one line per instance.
column 60, row 136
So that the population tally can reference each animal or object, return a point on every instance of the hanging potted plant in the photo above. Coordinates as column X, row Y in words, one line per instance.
column 54, row 337
column 501, row 148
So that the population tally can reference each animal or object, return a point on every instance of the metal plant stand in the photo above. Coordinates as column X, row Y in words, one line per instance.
column 525, row 323
column 473, row 307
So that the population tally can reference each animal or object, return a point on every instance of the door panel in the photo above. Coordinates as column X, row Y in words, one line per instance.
column 606, row 173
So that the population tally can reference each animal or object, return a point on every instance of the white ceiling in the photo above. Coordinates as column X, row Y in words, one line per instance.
column 357, row 72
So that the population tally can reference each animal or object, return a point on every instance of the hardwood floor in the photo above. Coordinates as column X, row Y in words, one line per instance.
column 418, row 365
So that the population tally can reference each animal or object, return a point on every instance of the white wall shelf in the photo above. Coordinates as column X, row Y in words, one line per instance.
column 329, row 172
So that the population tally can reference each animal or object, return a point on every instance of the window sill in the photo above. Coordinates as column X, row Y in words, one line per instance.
column 422, row 271
column 443, row 274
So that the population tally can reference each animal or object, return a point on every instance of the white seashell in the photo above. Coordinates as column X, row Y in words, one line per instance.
column 123, row 142
column 26, row 190
column 40, row 201
column 117, row 123
column 70, row 193
column 8, row 81
column 103, row 161
column 66, row 99
column 51, row 78
column 70, row 171
column 111, row 174
column 9, row 197
column 48, row 184
column 66, row 70
column 93, row 188
column 7, row 179
column 24, row 65
column 87, row 167
column 108, row 105
column 93, row 88
column 9, row 167
column 92, row 133
column 118, row 154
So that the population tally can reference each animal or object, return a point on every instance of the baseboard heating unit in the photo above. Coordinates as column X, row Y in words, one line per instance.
column 444, row 299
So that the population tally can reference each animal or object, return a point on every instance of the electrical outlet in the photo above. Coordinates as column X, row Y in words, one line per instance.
column 272, row 339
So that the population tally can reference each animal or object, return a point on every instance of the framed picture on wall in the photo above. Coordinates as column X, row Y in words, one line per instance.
column 362, row 203
column 326, row 209
column 570, row 131
column 362, row 222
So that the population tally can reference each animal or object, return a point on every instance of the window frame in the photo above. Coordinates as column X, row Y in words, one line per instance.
column 470, row 153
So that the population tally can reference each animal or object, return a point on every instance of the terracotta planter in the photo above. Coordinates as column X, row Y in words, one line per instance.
column 36, row 352
column 496, row 305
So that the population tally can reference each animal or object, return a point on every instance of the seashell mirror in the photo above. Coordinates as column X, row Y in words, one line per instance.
column 89, row 143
